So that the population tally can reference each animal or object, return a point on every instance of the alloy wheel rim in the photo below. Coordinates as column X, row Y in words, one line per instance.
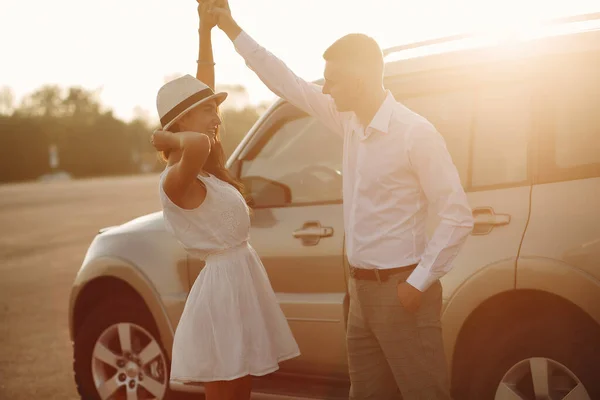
column 540, row 378
column 128, row 364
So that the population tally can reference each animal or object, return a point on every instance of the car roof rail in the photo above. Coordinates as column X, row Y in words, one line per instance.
column 463, row 36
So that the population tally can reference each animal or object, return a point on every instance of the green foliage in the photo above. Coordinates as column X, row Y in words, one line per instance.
column 89, row 140
column 236, row 123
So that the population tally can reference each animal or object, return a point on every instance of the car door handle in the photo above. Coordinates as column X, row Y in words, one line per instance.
column 486, row 219
column 312, row 232
column 324, row 231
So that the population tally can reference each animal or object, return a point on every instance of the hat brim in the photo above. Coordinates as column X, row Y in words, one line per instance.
column 219, row 97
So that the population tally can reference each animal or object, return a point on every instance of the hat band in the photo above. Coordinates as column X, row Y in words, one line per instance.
column 185, row 104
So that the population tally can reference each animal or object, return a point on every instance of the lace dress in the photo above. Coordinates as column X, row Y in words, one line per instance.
column 231, row 324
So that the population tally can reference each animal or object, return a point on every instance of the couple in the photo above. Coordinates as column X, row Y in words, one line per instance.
column 396, row 168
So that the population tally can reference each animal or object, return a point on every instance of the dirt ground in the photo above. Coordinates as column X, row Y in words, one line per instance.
column 45, row 229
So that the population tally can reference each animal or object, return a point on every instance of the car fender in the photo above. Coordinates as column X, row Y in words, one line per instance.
column 103, row 267
column 470, row 295
column 564, row 280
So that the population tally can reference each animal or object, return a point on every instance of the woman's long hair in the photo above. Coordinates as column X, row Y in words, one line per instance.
column 215, row 163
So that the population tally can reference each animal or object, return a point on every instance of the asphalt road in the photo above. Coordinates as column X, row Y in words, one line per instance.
column 46, row 228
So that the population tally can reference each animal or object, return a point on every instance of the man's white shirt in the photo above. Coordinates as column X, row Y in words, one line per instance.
column 394, row 170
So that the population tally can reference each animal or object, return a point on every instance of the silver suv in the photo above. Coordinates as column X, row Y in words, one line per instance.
column 521, row 316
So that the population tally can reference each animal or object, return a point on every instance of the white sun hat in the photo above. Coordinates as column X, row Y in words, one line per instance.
column 180, row 95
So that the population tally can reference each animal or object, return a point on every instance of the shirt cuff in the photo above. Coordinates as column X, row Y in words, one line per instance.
column 421, row 279
column 243, row 43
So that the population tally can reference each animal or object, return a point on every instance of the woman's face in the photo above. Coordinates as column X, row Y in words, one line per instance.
column 202, row 119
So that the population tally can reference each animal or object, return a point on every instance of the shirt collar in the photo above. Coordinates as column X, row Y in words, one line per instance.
column 381, row 120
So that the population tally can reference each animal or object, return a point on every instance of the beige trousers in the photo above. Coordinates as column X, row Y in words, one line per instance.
column 393, row 354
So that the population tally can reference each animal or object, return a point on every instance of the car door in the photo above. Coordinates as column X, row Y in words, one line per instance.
column 564, row 231
column 486, row 121
column 292, row 170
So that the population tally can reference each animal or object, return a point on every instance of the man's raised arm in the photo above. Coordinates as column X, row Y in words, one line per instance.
column 277, row 76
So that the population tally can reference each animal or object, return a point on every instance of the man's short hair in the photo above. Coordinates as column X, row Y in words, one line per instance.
column 357, row 49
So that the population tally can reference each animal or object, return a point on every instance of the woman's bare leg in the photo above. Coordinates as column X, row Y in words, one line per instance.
column 211, row 390
column 218, row 390
column 238, row 389
column 244, row 388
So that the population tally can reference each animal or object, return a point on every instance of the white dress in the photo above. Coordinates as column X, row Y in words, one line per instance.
column 232, row 325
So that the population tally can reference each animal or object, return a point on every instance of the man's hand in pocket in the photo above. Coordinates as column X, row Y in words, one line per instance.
column 409, row 296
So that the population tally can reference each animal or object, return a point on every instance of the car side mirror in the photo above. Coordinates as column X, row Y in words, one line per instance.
column 265, row 193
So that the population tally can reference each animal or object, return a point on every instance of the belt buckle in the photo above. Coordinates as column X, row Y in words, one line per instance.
column 376, row 270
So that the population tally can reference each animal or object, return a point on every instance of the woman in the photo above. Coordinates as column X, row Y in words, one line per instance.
column 232, row 326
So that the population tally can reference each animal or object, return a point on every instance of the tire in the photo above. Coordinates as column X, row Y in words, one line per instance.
column 106, row 325
column 568, row 343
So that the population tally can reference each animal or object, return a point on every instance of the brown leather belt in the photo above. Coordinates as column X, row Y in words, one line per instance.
column 380, row 275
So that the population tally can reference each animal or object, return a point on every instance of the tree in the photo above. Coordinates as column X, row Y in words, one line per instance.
column 81, row 102
column 24, row 151
column 46, row 101
column 7, row 100
column 140, row 130
column 90, row 141
column 236, row 123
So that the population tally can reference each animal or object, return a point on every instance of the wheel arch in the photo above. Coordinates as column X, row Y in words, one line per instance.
column 108, row 277
column 567, row 281
column 486, row 283
column 544, row 288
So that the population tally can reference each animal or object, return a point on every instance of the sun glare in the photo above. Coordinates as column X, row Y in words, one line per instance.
column 501, row 33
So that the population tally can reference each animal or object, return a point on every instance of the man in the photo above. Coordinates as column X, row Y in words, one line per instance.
column 395, row 167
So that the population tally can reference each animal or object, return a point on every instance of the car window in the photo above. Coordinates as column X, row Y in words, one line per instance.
column 451, row 114
column 302, row 155
column 576, row 113
column 569, row 139
column 502, row 129
column 487, row 131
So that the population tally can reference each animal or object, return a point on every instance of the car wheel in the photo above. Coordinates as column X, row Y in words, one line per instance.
column 553, row 357
column 540, row 378
column 118, row 355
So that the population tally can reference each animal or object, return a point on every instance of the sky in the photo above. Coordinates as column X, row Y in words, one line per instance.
column 128, row 48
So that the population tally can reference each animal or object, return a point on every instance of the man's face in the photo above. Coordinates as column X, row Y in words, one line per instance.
column 342, row 85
